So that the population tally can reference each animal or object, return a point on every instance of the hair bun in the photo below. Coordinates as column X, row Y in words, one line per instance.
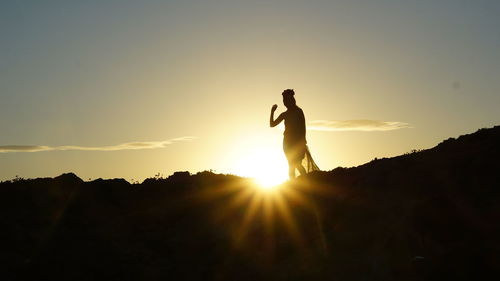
column 288, row 92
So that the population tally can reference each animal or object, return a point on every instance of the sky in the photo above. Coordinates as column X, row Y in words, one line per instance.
column 131, row 89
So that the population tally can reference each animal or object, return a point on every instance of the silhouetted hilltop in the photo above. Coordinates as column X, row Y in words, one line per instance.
column 425, row 215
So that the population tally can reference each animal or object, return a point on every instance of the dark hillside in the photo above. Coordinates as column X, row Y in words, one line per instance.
column 427, row 215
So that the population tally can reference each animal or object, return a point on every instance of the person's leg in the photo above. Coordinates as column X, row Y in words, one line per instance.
column 291, row 171
column 301, row 169
column 300, row 157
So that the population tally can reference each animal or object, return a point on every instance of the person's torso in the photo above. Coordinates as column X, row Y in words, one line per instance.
column 295, row 125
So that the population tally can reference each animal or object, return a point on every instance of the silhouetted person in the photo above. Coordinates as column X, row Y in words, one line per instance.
column 294, row 140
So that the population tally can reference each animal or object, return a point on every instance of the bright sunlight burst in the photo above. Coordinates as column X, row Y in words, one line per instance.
column 266, row 165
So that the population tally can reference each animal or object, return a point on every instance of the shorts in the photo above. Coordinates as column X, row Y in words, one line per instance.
column 294, row 151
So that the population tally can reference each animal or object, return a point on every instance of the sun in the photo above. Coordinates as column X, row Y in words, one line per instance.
column 266, row 165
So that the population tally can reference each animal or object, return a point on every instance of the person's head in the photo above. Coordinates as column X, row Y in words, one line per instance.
column 288, row 99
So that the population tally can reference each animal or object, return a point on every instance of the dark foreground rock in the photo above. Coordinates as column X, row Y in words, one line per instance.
column 428, row 215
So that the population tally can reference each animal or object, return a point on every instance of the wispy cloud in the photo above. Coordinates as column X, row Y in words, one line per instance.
column 356, row 125
column 123, row 146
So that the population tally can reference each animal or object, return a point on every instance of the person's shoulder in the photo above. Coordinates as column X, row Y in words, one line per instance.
column 301, row 113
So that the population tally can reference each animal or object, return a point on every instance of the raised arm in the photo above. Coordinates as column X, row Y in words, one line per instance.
column 280, row 118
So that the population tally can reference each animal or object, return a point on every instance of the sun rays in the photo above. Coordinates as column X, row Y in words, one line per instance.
column 261, row 218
